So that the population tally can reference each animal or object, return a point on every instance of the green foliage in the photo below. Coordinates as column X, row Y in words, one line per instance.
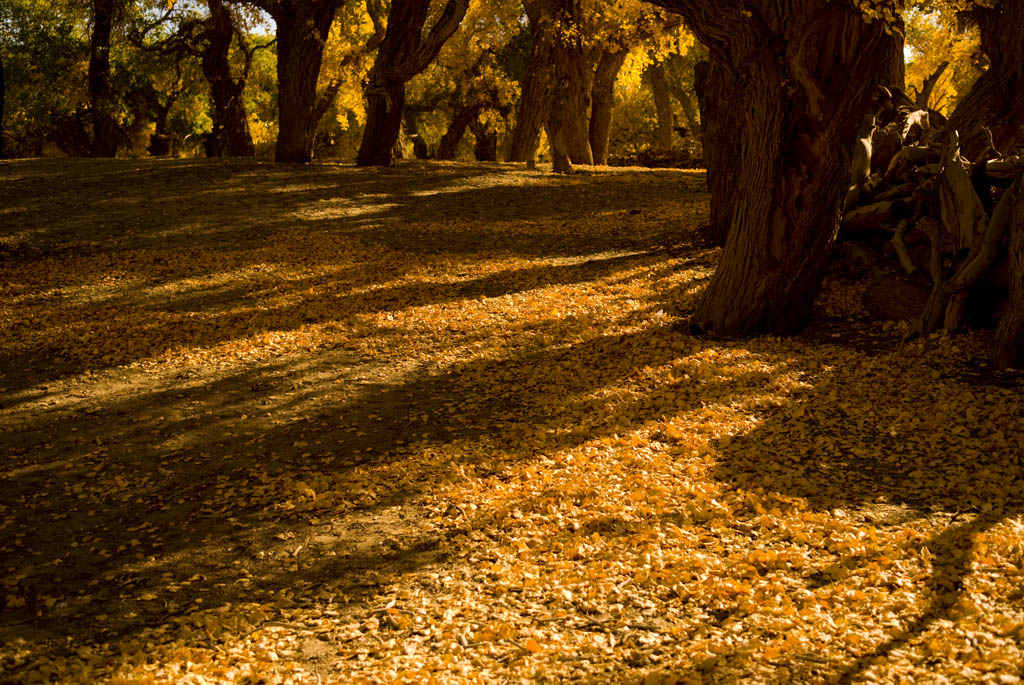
column 45, row 50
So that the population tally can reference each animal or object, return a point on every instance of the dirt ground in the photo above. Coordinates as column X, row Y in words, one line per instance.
column 253, row 416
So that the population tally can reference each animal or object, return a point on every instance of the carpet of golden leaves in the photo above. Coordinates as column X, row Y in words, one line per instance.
column 441, row 424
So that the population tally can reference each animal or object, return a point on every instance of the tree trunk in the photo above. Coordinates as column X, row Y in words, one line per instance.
column 721, row 115
column 577, row 103
column 569, row 96
column 3, row 90
column 996, row 101
column 229, row 116
column 602, row 101
column 403, row 53
column 802, row 101
column 383, row 125
column 302, row 28
column 673, row 69
column 923, row 98
column 105, row 127
column 456, row 130
column 1009, row 349
column 658, row 82
column 533, row 102
column 485, row 149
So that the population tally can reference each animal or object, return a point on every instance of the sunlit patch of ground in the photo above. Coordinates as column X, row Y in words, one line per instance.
column 442, row 421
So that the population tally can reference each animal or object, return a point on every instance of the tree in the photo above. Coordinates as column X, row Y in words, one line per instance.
column 657, row 79
column 719, row 97
column 571, row 41
column 602, row 100
column 302, row 30
column 405, row 52
column 994, row 106
column 106, row 133
column 230, row 121
column 804, row 72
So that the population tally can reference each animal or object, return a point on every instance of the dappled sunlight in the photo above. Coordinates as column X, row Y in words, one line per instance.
column 481, row 451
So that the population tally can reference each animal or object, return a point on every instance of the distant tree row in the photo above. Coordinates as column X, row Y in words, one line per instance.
column 369, row 80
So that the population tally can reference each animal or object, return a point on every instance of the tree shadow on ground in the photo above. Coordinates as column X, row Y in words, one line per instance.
column 171, row 485
column 901, row 452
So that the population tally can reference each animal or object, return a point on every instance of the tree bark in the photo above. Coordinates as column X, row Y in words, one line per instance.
column 996, row 100
column 230, row 119
column 674, row 68
column 569, row 96
column 602, row 102
column 485, row 147
column 533, row 102
column 403, row 53
column 456, row 130
column 658, row 82
column 803, row 78
column 105, row 126
column 577, row 101
column 302, row 28
column 721, row 115
column 1009, row 349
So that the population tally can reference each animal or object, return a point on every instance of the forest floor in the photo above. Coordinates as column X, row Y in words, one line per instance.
column 266, row 424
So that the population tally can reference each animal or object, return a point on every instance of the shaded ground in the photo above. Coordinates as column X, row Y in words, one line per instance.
column 331, row 423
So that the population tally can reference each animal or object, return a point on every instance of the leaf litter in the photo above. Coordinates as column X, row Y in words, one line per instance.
column 442, row 423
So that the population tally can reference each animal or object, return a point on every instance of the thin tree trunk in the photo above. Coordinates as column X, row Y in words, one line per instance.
column 456, row 130
column 802, row 102
column 602, row 102
column 105, row 128
column 230, row 118
column 721, row 113
column 658, row 82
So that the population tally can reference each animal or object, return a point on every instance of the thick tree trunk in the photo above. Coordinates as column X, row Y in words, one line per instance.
column 569, row 96
column 996, row 101
column 1009, row 349
column 658, row 82
column 485, row 148
column 383, row 125
column 3, row 90
column 403, row 53
column 230, row 119
column 602, row 102
column 532, row 110
column 577, row 102
column 105, row 128
column 302, row 29
column 802, row 102
column 721, row 113
column 456, row 130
